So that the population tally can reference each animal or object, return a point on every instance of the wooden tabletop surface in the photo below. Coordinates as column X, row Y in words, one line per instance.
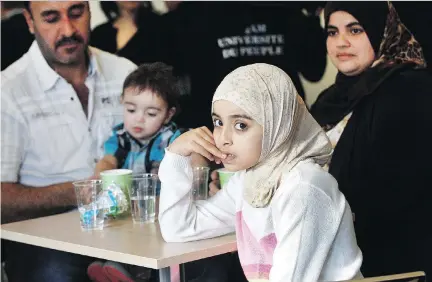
column 121, row 240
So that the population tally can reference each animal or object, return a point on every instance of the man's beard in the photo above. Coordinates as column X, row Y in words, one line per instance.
column 51, row 56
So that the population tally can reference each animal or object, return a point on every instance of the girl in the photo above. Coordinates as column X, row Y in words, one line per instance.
column 291, row 221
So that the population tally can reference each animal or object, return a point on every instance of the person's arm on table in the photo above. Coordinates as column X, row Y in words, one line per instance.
column 20, row 202
column 182, row 219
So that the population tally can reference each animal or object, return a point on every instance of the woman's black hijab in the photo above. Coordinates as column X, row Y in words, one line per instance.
column 391, row 40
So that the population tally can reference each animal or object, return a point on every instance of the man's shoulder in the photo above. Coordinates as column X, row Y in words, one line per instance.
column 112, row 65
column 16, row 73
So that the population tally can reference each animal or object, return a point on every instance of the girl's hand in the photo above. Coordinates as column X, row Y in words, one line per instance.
column 200, row 141
column 214, row 184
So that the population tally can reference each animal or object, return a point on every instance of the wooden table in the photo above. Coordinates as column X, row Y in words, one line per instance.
column 120, row 241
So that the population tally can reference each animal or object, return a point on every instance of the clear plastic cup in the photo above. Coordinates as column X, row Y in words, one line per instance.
column 90, row 208
column 200, row 183
column 143, row 197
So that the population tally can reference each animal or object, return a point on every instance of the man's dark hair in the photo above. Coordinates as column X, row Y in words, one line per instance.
column 12, row 5
column 157, row 77
column 26, row 5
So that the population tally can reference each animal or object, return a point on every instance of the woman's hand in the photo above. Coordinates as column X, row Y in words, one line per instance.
column 200, row 141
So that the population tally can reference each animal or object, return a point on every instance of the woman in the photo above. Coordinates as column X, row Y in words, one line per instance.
column 132, row 31
column 377, row 117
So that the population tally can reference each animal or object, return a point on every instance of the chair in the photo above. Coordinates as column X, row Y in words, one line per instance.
column 418, row 276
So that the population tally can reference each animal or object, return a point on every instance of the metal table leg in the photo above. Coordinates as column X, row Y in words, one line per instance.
column 165, row 274
column 182, row 273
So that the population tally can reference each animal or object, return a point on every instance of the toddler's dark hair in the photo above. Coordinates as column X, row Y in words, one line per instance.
column 157, row 77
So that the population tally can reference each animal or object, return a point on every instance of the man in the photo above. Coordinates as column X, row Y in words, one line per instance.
column 58, row 104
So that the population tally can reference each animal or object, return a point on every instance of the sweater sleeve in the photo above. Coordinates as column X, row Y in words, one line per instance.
column 182, row 219
column 306, row 221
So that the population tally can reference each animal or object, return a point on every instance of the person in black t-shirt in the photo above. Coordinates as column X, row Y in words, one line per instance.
column 207, row 40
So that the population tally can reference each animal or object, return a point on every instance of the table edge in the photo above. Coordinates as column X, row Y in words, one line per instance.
column 115, row 256
column 78, row 249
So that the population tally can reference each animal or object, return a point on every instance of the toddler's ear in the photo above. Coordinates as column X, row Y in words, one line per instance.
column 171, row 113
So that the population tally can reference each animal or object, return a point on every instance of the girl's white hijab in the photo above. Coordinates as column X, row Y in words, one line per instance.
column 290, row 134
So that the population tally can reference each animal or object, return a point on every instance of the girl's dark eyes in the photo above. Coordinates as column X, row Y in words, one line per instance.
column 131, row 111
column 240, row 126
column 217, row 122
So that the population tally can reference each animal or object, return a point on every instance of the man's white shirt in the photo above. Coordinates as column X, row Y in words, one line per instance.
column 46, row 138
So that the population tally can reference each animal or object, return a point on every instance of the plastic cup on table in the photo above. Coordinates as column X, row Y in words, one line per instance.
column 90, row 209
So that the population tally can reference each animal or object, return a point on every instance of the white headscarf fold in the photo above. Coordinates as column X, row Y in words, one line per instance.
column 290, row 135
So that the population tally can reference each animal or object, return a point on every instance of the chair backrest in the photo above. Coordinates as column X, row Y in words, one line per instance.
column 418, row 276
